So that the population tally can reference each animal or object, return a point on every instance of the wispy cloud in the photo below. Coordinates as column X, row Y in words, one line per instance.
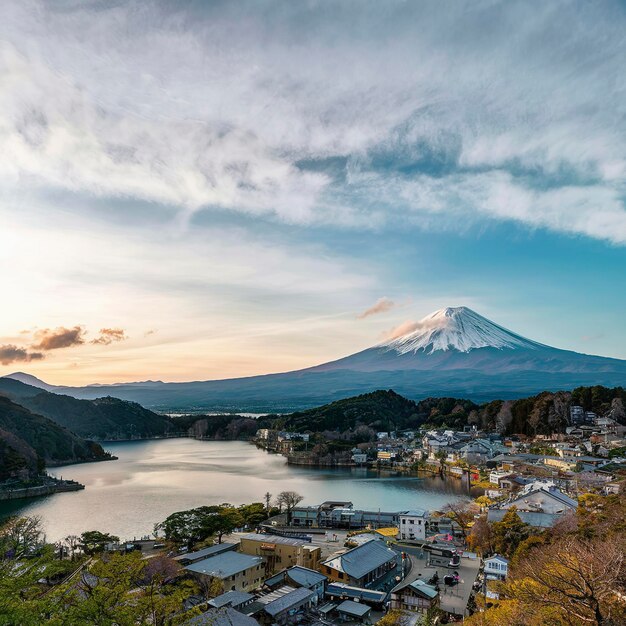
column 55, row 339
column 381, row 305
column 409, row 101
column 108, row 336
column 13, row 354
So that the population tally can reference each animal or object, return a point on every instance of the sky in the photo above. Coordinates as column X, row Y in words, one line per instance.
column 200, row 190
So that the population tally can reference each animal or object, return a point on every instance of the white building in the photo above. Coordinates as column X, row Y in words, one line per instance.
column 496, row 567
column 412, row 525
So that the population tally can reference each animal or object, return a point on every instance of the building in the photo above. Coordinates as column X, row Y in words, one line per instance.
column 225, row 616
column 281, row 552
column 193, row 557
column 496, row 567
column 238, row 572
column 539, row 504
column 413, row 525
column 341, row 591
column 416, row 596
column 577, row 415
column 237, row 600
column 333, row 514
column 284, row 605
column 300, row 577
column 363, row 566
column 351, row 611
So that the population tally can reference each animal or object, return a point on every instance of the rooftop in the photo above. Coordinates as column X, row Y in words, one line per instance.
column 287, row 541
column 423, row 588
column 304, row 576
column 221, row 617
column 284, row 598
column 355, row 609
column 231, row 598
column 225, row 564
column 363, row 559
column 206, row 552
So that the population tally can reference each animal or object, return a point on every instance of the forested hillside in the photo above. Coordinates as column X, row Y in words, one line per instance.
column 28, row 441
column 103, row 418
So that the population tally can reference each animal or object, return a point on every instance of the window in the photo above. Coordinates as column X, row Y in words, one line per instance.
column 411, row 521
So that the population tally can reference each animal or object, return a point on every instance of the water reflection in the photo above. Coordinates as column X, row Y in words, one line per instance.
column 152, row 479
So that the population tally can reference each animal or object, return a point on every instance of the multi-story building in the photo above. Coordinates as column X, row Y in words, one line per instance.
column 238, row 572
column 280, row 552
column 363, row 566
column 413, row 525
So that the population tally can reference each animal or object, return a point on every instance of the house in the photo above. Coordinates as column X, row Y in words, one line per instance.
column 539, row 504
column 359, row 457
column 280, row 552
column 193, row 557
column 334, row 514
column 298, row 576
column 225, row 616
column 413, row 525
column 285, row 605
column 351, row 611
column 237, row 600
column 496, row 567
column 341, row 591
column 238, row 572
column 363, row 566
column 416, row 596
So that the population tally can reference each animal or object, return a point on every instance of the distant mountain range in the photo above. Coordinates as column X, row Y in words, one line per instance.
column 452, row 352
column 101, row 418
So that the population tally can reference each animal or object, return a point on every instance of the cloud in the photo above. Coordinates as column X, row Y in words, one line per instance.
column 410, row 326
column 12, row 354
column 380, row 306
column 408, row 101
column 109, row 335
column 54, row 339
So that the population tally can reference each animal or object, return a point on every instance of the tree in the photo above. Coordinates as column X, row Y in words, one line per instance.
column 289, row 500
column 72, row 543
column 573, row 577
column 480, row 539
column 462, row 513
column 20, row 536
column 93, row 541
column 268, row 501
column 508, row 533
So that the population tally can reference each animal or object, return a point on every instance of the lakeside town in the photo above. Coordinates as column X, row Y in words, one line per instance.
column 283, row 562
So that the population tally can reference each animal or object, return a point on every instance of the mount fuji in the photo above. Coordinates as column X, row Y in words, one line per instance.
column 452, row 352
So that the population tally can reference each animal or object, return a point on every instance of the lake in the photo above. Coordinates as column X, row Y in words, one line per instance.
column 154, row 478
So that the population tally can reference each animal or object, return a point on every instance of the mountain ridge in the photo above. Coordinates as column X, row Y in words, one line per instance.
column 453, row 352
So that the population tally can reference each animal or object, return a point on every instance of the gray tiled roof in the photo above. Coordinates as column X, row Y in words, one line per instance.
column 288, row 541
column 294, row 598
column 425, row 589
column 349, row 607
column 225, row 564
column 231, row 598
column 222, row 617
column 535, row 519
column 304, row 576
column 363, row 559
column 206, row 552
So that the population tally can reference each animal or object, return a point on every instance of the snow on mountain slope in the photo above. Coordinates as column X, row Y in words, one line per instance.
column 459, row 329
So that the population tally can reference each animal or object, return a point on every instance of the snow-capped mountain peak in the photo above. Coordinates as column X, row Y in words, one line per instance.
column 459, row 329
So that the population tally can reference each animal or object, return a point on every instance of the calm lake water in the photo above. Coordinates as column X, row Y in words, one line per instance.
column 152, row 479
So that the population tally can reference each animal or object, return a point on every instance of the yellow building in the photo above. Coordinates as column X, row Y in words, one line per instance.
column 281, row 552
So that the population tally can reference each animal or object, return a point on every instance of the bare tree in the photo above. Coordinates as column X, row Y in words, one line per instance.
column 583, row 580
column 462, row 513
column 22, row 535
column 289, row 500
